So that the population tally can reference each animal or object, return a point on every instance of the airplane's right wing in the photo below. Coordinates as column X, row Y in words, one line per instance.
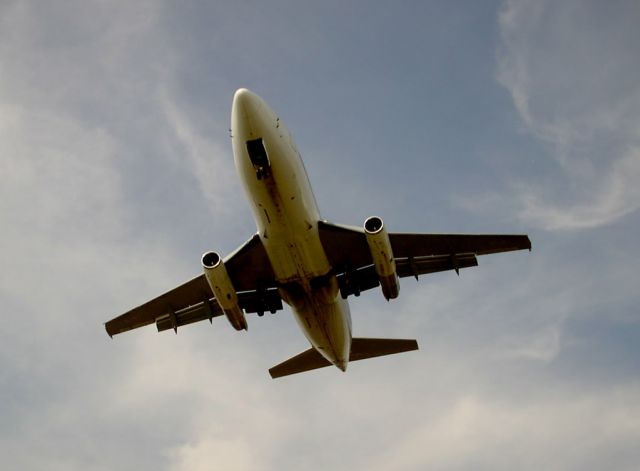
column 193, row 301
column 414, row 254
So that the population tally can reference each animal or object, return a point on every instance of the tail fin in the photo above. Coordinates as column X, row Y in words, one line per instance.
column 361, row 349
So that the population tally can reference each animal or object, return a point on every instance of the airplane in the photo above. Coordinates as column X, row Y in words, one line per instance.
column 295, row 256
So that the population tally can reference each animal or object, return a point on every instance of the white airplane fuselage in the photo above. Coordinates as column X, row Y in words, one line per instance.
column 286, row 216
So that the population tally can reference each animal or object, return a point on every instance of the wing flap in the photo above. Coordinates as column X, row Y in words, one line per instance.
column 424, row 265
column 205, row 310
column 249, row 301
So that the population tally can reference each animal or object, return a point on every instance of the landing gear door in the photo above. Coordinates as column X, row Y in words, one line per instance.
column 259, row 158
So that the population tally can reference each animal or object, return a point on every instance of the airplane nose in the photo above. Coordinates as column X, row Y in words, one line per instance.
column 246, row 114
column 244, row 101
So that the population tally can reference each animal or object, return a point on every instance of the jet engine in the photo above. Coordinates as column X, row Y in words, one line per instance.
column 216, row 274
column 382, row 255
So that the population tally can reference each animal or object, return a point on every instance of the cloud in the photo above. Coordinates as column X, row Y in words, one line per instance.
column 209, row 160
column 77, row 122
column 558, row 433
column 543, row 345
column 573, row 79
column 236, row 454
column 59, row 198
column 614, row 195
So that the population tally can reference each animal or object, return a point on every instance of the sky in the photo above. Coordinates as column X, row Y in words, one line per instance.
column 116, row 174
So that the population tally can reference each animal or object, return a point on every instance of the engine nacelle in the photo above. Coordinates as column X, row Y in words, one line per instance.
column 382, row 255
column 216, row 274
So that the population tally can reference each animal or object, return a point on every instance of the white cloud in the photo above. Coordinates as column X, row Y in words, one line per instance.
column 208, row 453
column 614, row 195
column 76, row 96
column 211, row 162
column 571, row 71
column 59, row 196
column 561, row 432
column 543, row 345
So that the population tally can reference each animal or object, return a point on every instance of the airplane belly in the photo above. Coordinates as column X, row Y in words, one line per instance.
column 284, row 207
column 326, row 323
column 291, row 239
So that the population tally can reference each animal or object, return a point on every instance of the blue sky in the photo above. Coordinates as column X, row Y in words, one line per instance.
column 116, row 173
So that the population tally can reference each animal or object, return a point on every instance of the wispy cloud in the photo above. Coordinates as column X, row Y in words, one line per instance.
column 210, row 161
column 571, row 71
column 76, row 115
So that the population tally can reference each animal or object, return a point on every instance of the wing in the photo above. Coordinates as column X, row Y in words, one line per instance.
column 252, row 277
column 415, row 254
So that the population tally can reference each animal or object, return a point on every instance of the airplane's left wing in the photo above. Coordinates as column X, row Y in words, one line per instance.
column 193, row 301
column 414, row 254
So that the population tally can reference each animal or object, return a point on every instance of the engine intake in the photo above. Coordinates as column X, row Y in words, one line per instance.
column 382, row 256
column 216, row 274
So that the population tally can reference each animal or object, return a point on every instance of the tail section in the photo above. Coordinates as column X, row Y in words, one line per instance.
column 361, row 349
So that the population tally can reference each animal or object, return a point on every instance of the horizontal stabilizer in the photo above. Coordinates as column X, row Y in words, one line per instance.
column 361, row 348
column 305, row 361
column 369, row 348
